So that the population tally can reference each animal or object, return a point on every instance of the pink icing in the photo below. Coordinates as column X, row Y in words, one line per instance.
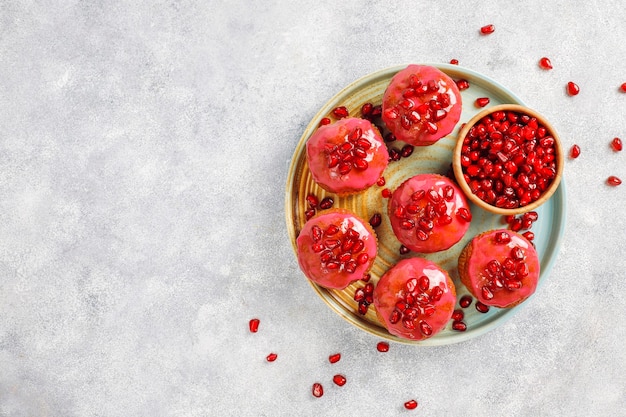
column 483, row 250
column 391, row 289
column 442, row 236
column 326, row 138
column 311, row 261
column 396, row 92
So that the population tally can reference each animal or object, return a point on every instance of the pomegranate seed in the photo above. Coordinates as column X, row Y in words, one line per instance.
column 406, row 151
column 574, row 152
column 326, row 203
column 462, row 84
column 623, row 87
column 616, row 144
column 482, row 101
column 317, row 390
column 545, row 63
column 572, row 88
column 254, row 325
column 613, row 181
column 454, row 61
column 340, row 112
column 458, row 315
column 339, row 380
column 309, row 213
column 382, row 347
column 381, row 181
column 410, row 405
column 334, row 358
column 465, row 301
column 324, row 121
column 529, row 235
column 404, row 250
column 481, row 308
column 459, row 326
column 312, row 200
column 366, row 109
column 487, row 29
column 386, row 193
column 376, row 220
column 271, row 357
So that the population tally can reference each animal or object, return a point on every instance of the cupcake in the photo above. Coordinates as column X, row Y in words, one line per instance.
column 429, row 213
column 415, row 299
column 421, row 105
column 347, row 156
column 500, row 268
column 336, row 248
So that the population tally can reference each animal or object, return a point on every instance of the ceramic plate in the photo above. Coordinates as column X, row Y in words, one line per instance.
column 436, row 158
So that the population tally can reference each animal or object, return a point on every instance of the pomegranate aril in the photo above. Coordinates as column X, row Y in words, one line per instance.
column 616, row 144
column 623, row 87
column 406, row 151
column 334, row 358
column 309, row 214
column 340, row 112
column 481, row 307
column 254, row 325
column 545, row 63
column 404, row 250
column 465, row 301
column 529, row 235
column 459, row 326
column 613, row 180
column 410, row 405
column 317, row 390
column 381, row 181
column 482, row 101
column 366, row 109
column 382, row 347
column 487, row 29
column 339, row 380
column 462, row 84
column 325, row 121
column 312, row 200
column 574, row 152
column 271, row 357
column 386, row 193
column 376, row 220
column 572, row 88
column 454, row 61
column 458, row 315
column 326, row 203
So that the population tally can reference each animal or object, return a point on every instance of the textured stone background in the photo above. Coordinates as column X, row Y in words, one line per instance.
column 144, row 150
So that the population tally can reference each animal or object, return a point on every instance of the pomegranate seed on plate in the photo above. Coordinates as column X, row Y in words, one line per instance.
column 459, row 326
column 376, row 220
column 326, row 203
column 482, row 101
column 324, row 121
column 340, row 112
column 465, row 301
column 487, row 29
column 572, row 88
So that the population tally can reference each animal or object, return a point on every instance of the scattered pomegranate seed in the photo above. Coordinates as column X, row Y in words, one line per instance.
column 376, row 220
column 309, row 213
column 390, row 137
column 340, row 112
column 312, row 200
column 382, row 347
column 271, row 357
column 366, row 277
column 465, row 301
column 459, row 326
column 623, row 87
column 364, row 296
column 324, row 121
column 326, row 203
column 482, row 101
column 616, row 144
column 407, row 150
column 487, row 29
column 572, row 88
column 404, row 250
column 574, row 152
column 454, row 61
column 462, row 84
column 545, row 63
column 410, row 405
column 529, row 235
column 458, row 315
column 334, row 358
column 481, row 308
column 381, row 181
column 386, row 193
column 613, row 181
column 339, row 380
column 317, row 390
column 366, row 109
column 254, row 325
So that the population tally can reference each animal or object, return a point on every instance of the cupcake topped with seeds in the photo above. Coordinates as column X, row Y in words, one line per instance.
column 336, row 248
column 347, row 156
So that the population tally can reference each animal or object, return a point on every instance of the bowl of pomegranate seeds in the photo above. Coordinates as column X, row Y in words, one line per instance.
column 508, row 159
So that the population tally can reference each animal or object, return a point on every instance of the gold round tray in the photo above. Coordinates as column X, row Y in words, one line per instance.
column 436, row 158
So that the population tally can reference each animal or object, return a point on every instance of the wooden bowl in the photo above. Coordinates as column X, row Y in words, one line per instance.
column 460, row 170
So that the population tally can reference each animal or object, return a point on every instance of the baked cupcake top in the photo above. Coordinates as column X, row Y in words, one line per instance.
column 347, row 156
column 500, row 268
column 429, row 213
column 415, row 299
column 336, row 248
column 421, row 105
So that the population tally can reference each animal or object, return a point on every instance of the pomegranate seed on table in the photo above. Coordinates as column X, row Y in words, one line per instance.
column 334, row 358
column 454, row 61
column 339, row 380
column 616, row 144
column 545, row 63
column 271, row 357
column 410, row 405
column 254, row 325
column 623, row 87
column 382, row 347
column 574, row 152
column 487, row 29
column 572, row 88
column 613, row 181
column 317, row 390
